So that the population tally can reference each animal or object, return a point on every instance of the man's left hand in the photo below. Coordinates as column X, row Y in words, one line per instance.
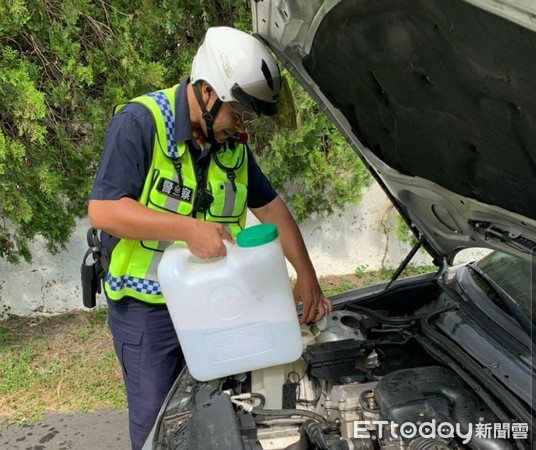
column 315, row 305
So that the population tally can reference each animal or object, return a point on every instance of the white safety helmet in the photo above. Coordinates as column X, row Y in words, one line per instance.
column 240, row 69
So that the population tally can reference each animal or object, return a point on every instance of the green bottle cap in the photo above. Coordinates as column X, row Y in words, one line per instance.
column 257, row 235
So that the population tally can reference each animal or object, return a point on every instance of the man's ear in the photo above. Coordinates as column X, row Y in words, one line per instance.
column 206, row 91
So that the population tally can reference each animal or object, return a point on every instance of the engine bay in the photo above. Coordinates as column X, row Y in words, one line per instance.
column 364, row 382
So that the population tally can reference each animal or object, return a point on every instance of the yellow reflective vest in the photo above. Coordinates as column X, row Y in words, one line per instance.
column 171, row 186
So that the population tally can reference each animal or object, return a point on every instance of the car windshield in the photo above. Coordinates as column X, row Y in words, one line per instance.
column 515, row 276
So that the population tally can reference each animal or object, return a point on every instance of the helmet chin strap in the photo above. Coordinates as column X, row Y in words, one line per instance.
column 208, row 116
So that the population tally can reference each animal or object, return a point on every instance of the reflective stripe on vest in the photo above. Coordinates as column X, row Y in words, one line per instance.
column 134, row 264
column 138, row 284
column 169, row 122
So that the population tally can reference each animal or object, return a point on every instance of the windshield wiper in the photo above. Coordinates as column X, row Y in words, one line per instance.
column 507, row 301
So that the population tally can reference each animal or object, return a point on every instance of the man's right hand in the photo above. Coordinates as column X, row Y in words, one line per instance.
column 127, row 219
column 206, row 240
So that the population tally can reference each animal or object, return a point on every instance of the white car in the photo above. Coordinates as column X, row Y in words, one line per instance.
column 438, row 98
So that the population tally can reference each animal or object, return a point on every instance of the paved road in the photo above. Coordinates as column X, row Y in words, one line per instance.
column 99, row 430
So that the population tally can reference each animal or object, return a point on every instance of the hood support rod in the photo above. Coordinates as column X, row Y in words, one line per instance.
column 406, row 261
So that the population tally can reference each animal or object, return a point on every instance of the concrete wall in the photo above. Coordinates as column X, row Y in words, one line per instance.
column 359, row 235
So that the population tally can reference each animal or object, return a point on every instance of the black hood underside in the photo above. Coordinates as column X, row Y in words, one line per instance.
column 437, row 89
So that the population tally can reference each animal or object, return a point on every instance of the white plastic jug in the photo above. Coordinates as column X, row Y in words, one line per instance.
column 232, row 314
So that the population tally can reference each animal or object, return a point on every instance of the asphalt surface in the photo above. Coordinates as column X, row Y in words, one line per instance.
column 99, row 430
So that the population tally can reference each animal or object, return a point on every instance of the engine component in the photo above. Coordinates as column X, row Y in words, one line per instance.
column 426, row 394
column 334, row 360
column 429, row 444
column 346, row 404
column 270, row 380
column 338, row 326
column 289, row 394
column 318, row 435
column 246, row 424
column 213, row 424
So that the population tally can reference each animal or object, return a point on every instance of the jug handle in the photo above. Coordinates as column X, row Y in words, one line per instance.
column 229, row 246
column 183, row 253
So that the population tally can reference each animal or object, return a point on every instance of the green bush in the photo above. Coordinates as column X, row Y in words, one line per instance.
column 64, row 64
column 314, row 167
column 403, row 232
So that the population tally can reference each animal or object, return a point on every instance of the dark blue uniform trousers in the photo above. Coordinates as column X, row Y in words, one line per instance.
column 150, row 356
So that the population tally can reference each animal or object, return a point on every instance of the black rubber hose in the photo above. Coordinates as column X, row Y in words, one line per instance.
column 340, row 445
column 363, row 404
column 312, row 432
column 384, row 319
column 315, row 433
column 289, row 412
column 352, row 444
column 262, row 399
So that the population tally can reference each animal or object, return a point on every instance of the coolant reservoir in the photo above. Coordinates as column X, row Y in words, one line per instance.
column 232, row 314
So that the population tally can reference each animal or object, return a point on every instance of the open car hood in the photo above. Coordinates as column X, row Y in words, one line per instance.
column 437, row 97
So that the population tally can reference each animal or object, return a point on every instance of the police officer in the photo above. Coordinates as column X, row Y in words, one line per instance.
column 175, row 167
